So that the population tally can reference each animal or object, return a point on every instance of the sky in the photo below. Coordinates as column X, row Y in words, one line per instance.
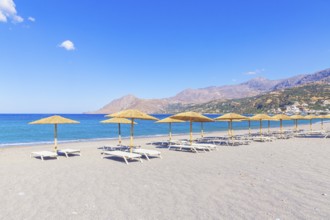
column 73, row 56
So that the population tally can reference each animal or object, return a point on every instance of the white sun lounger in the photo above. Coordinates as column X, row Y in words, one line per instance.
column 181, row 147
column 147, row 153
column 193, row 148
column 209, row 147
column 123, row 154
column 43, row 154
column 67, row 152
column 262, row 139
column 327, row 134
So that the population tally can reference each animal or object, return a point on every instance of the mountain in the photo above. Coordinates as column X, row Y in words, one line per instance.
column 249, row 88
column 132, row 102
column 323, row 76
column 313, row 96
column 188, row 97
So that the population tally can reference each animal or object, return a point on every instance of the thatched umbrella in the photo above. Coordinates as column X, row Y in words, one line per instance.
column 170, row 121
column 132, row 114
column 281, row 117
column 296, row 118
column 55, row 120
column 260, row 118
column 191, row 117
column 230, row 117
column 117, row 121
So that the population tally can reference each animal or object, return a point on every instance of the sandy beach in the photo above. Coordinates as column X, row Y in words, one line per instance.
column 284, row 179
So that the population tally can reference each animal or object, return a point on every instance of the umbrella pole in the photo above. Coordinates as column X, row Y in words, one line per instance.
column 170, row 132
column 119, row 132
column 321, row 123
column 132, row 134
column 297, row 125
column 231, row 129
column 281, row 127
column 228, row 129
column 249, row 128
column 190, row 132
column 260, row 128
column 310, row 125
column 268, row 126
column 202, row 130
column 55, row 139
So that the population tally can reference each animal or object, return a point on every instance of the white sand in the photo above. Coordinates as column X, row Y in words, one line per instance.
column 285, row 179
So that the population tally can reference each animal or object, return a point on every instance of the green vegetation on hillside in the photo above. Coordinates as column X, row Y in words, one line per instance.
column 304, row 98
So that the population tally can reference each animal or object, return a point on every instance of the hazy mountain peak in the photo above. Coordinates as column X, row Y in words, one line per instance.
column 261, row 83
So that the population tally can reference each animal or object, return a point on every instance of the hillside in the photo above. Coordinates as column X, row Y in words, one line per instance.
column 192, row 97
column 304, row 98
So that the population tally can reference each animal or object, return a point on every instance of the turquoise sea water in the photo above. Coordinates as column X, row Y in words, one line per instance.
column 14, row 128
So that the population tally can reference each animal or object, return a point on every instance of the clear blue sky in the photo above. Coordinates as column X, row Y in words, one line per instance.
column 152, row 49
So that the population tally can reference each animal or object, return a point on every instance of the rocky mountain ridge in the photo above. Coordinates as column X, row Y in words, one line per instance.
column 250, row 88
column 302, row 99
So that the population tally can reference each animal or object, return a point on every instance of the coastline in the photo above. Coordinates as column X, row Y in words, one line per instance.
column 221, row 131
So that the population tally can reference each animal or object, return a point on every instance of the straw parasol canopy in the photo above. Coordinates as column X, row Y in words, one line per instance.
column 55, row 120
column 132, row 114
column 170, row 121
column 310, row 118
column 260, row 118
column 117, row 121
column 295, row 118
column 281, row 117
column 230, row 117
column 191, row 117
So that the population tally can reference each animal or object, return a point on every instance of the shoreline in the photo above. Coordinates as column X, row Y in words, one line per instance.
column 239, row 129
column 144, row 138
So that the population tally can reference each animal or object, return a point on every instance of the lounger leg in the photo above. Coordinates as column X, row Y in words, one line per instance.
column 141, row 160
column 125, row 160
column 42, row 158
column 146, row 156
column 160, row 156
column 66, row 154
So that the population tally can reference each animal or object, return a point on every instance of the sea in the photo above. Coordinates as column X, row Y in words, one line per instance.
column 16, row 130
